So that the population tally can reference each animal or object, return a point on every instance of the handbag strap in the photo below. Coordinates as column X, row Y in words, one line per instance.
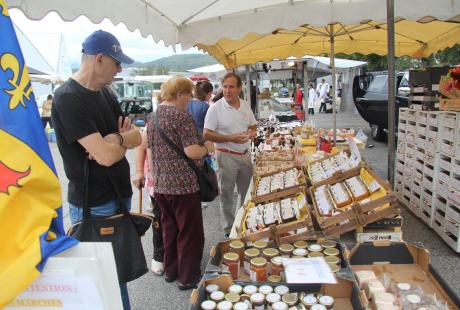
column 177, row 149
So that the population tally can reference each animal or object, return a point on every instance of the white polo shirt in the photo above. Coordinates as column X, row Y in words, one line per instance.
column 224, row 119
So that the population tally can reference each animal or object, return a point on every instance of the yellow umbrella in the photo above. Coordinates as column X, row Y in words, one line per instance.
column 413, row 38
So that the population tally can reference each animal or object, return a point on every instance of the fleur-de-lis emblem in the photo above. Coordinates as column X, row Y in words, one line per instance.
column 4, row 9
column 20, row 82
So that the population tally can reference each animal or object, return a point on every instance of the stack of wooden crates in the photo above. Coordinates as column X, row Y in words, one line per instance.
column 427, row 169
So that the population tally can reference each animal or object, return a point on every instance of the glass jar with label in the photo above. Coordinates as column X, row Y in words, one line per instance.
column 279, row 305
column 309, row 300
column 224, row 305
column 241, row 306
column 258, row 269
column 326, row 301
column 265, row 289
column 315, row 247
column 329, row 244
column 217, row 296
column 237, row 247
column 232, row 297
column 286, row 250
column 334, row 268
column 318, row 307
column 277, row 266
column 268, row 254
column 332, row 260
column 300, row 252
column 274, row 279
column 250, row 289
column 235, row 288
column 248, row 255
column 258, row 301
column 260, row 245
column 208, row 305
column 290, row 299
column 282, row 290
column 315, row 254
column 231, row 264
column 300, row 244
column 331, row 252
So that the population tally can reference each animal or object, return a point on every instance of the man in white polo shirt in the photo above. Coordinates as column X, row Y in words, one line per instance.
column 231, row 124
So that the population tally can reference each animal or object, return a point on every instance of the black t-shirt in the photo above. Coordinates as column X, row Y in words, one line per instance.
column 76, row 113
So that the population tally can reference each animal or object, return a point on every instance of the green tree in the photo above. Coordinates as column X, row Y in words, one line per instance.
column 144, row 71
column 162, row 70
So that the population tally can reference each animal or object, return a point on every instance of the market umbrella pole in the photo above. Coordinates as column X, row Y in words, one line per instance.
column 332, row 62
column 391, row 89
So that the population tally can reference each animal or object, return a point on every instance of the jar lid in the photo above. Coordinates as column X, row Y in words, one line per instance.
column 240, row 306
column 236, row 244
column 231, row 256
column 212, row 288
column 279, row 305
column 300, row 252
column 265, row 289
column 318, row 307
column 282, row 290
column 258, row 261
column 273, row 297
column 224, row 305
column 260, row 244
column 315, row 247
column 270, row 252
column 232, row 297
column 252, row 252
column 257, row 297
column 413, row 298
column 315, row 254
column 404, row 286
column 331, row 251
column 334, row 267
column 250, row 289
column 291, row 299
column 235, row 288
column 286, row 247
column 309, row 300
column 301, row 244
column 217, row 295
column 329, row 244
column 332, row 259
column 208, row 305
column 277, row 260
column 326, row 300
column 274, row 278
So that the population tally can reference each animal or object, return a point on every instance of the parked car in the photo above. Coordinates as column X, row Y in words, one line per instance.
column 283, row 92
column 370, row 95
column 135, row 98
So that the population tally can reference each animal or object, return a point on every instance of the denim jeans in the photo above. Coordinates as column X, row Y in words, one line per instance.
column 106, row 209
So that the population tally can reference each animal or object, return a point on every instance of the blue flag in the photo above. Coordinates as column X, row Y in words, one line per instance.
column 31, row 227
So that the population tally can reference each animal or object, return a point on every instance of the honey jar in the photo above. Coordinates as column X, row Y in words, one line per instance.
column 248, row 255
column 260, row 244
column 236, row 246
column 258, row 271
column 286, row 250
column 231, row 264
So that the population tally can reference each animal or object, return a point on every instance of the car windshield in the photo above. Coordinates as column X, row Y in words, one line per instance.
column 379, row 84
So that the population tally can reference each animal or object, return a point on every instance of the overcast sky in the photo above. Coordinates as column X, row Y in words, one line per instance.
column 133, row 44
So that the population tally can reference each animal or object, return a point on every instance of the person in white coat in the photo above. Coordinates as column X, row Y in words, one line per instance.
column 322, row 90
column 311, row 99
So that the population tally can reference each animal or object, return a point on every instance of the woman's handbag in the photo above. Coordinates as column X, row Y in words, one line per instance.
column 207, row 179
column 123, row 230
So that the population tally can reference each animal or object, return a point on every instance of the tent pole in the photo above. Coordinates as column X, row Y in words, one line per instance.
column 391, row 89
column 332, row 63
column 248, row 83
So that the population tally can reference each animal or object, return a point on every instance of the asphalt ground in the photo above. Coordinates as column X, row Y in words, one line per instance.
column 152, row 292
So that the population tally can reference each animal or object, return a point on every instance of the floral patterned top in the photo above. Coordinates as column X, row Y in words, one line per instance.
column 171, row 174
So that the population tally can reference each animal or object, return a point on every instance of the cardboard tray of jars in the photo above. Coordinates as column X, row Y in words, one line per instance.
column 264, row 167
column 234, row 257
column 405, row 274
column 355, row 204
column 288, row 215
column 277, row 184
column 222, row 290
column 279, row 155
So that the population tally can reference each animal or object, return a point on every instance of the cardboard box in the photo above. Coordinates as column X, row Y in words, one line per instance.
column 404, row 262
column 346, row 293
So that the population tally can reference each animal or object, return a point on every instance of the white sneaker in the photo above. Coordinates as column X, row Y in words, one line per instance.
column 157, row 267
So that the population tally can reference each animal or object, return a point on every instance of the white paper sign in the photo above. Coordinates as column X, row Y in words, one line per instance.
column 58, row 291
column 354, row 149
column 308, row 270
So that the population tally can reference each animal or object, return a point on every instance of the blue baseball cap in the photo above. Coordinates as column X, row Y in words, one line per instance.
column 103, row 42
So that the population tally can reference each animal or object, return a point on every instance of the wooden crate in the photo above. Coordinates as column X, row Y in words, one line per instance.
column 358, row 215
column 280, row 193
column 289, row 232
column 273, row 232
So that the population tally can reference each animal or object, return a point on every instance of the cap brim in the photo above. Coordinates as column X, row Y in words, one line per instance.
column 122, row 58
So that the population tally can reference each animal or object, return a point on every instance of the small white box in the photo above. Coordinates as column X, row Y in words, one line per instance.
column 453, row 212
column 449, row 119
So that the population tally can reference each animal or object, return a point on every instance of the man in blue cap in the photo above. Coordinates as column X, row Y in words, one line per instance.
column 89, row 125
